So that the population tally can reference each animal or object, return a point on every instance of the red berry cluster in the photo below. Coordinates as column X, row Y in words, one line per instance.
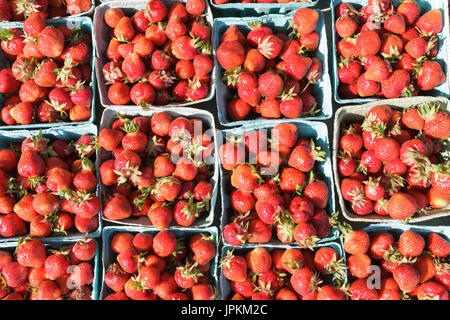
column 50, row 73
column 413, row 265
column 48, row 188
column 387, row 52
column 391, row 164
column 159, row 55
column 157, row 168
column 270, row 73
column 36, row 271
column 279, row 191
column 148, row 267
column 284, row 274
column 19, row 10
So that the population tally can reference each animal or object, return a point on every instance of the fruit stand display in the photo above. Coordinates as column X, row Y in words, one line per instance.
column 327, row 142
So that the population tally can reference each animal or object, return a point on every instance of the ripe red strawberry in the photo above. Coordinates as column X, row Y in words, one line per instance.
column 230, row 54
column 368, row 43
column 349, row 71
column 410, row 244
column 430, row 75
column 438, row 246
column 430, row 22
column 407, row 277
column 345, row 26
column 51, row 42
column 117, row 208
column 401, row 206
column 305, row 20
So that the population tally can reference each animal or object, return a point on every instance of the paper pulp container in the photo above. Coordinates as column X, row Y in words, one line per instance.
column 109, row 256
column 83, row 23
column 109, row 116
column 357, row 113
column 102, row 37
column 236, row 9
column 279, row 23
column 57, row 244
column 225, row 284
column 66, row 133
column 442, row 56
column 316, row 130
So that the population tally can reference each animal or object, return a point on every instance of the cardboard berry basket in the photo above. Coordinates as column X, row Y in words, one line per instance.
column 109, row 257
column 83, row 23
column 65, row 133
column 236, row 9
column 109, row 116
column 357, row 113
column 316, row 130
column 225, row 284
column 443, row 55
column 102, row 37
column 280, row 23
column 57, row 244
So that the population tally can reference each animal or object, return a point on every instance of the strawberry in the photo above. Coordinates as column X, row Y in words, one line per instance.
column 297, row 66
column 368, row 43
column 430, row 75
column 430, row 22
column 396, row 85
column 359, row 290
column 230, row 54
column 164, row 243
column 437, row 245
column 410, row 12
column 395, row 23
column 270, row 85
column 234, row 267
column 410, row 244
column 117, row 208
column 407, row 277
column 437, row 124
column 305, row 20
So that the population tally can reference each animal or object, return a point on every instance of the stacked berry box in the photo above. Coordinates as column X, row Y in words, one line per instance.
column 68, row 99
column 173, row 265
column 310, row 87
column 175, row 77
column 73, row 269
column 171, row 174
column 308, row 194
column 263, row 272
column 416, row 128
column 65, row 149
column 408, row 43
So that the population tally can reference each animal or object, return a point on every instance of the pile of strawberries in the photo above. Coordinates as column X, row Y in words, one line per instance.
column 413, row 265
column 285, row 274
column 19, row 10
column 161, row 267
column 157, row 168
column 273, row 186
column 387, row 52
column 49, row 78
column 160, row 55
column 48, row 187
column 35, row 271
column 270, row 75
column 391, row 164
